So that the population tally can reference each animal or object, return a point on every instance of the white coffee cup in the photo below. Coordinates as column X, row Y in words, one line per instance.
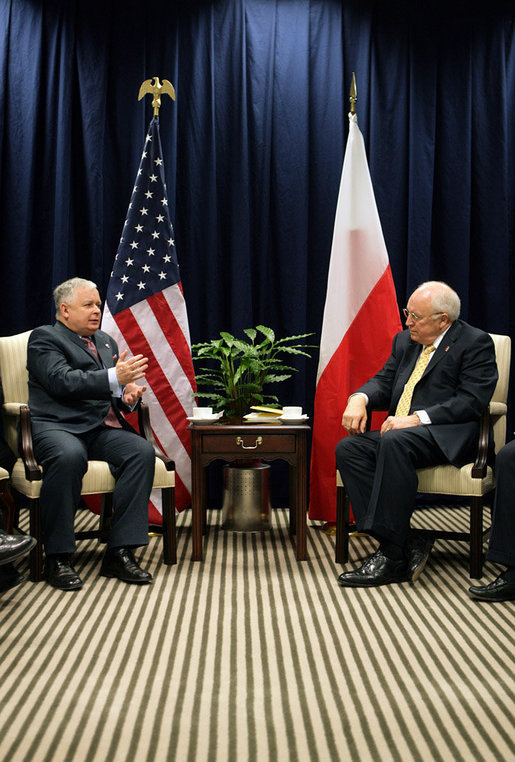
column 292, row 411
column 202, row 412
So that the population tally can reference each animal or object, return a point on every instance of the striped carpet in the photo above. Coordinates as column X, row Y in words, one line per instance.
column 254, row 656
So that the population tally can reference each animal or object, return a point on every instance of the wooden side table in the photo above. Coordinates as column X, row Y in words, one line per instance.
column 231, row 442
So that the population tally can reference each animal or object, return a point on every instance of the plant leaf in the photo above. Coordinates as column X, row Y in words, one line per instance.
column 268, row 332
column 227, row 337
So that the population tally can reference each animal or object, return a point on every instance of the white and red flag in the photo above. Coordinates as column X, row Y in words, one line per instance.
column 360, row 317
column 145, row 311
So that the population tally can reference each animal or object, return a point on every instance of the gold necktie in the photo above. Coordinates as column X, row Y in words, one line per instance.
column 404, row 404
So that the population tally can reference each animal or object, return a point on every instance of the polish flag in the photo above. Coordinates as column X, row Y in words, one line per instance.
column 360, row 317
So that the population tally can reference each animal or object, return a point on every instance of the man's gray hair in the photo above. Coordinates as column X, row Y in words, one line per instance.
column 64, row 292
column 444, row 299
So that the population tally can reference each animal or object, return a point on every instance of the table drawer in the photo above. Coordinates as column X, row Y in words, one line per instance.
column 248, row 443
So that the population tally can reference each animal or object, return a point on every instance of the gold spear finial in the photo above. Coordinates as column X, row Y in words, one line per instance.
column 155, row 87
column 353, row 95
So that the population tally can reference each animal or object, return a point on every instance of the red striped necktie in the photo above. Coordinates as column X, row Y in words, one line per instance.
column 111, row 418
column 91, row 345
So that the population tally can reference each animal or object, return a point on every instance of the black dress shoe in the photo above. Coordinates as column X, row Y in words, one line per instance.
column 12, row 546
column 9, row 577
column 498, row 590
column 377, row 570
column 60, row 573
column 120, row 562
column 419, row 548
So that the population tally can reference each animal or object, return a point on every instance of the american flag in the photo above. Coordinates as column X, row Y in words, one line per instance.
column 145, row 311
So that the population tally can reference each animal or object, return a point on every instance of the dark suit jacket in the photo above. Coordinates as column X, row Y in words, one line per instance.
column 68, row 385
column 455, row 389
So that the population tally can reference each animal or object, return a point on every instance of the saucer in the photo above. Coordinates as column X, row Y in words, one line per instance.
column 293, row 421
column 205, row 421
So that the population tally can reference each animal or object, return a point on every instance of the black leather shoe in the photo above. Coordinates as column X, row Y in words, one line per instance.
column 377, row 570
column 419, row 548
column 9, row 577
column 498, row 590
column 12, row 546
column 60, row 573
column 120, row 562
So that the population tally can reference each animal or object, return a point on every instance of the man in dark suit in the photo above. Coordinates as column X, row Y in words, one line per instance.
column 435, row 385
column 78, row 384
column 501, row 548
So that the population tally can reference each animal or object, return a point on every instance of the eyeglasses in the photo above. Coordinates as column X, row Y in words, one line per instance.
column 415, row 317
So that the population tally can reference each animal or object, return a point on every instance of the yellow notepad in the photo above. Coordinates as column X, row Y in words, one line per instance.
column 267, row 410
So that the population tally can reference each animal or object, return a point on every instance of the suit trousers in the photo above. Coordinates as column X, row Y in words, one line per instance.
column 64, row 458
column 379, row 474
column 501, row 547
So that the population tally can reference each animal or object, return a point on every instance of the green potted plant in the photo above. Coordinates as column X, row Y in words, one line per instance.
column 236, row 372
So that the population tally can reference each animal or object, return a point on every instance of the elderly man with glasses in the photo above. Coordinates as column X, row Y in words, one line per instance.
column 435, row 385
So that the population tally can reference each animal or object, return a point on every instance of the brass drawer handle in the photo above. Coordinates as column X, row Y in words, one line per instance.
column 239, row 441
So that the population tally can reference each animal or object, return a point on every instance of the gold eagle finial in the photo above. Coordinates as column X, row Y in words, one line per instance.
column 157, row 89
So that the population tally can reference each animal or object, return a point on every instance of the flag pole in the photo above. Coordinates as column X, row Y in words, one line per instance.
column 353, row 96
column 154, row 87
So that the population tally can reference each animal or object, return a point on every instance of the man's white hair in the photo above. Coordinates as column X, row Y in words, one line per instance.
column 65, row 292
column 443, row 298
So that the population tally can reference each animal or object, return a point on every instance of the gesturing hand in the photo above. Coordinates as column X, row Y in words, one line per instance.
column 132, row 369
column 132, row 393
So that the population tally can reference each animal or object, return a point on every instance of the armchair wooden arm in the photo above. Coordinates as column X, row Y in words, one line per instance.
column 32, row 470
column 479, row 467
column 146, row 432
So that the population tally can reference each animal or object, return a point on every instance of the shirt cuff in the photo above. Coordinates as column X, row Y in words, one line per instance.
column 359, row 394
column 424, row 418
column 114, row 386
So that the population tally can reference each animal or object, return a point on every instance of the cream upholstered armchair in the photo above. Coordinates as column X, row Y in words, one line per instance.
column 471, row 482
column 26, row 475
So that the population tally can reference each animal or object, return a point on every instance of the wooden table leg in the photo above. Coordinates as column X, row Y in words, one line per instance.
column 301, row 498
column 293, row 498
column 197, row 497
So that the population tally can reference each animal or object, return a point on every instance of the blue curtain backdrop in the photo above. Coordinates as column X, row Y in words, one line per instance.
column 253, row 149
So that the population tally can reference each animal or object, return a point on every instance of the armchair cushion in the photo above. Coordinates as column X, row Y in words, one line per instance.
column 449, row 480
